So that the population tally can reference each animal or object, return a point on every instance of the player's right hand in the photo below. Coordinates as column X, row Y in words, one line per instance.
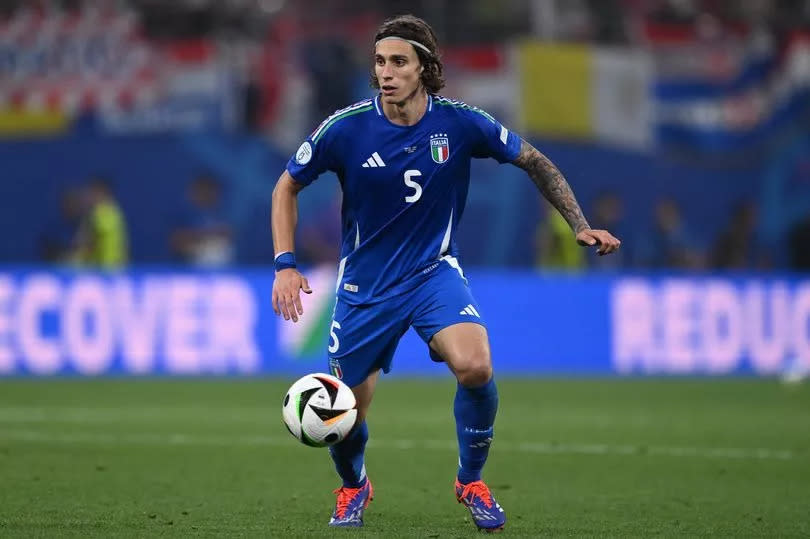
column 286, row 296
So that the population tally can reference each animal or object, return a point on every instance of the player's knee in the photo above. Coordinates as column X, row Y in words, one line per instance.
column 475, row 370
column 476, row 377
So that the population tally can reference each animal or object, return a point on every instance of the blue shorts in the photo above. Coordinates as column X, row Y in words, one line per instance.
column 363, row 338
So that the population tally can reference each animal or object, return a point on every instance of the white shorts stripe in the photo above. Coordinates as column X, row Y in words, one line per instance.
column 453, row 261
column 341, row 270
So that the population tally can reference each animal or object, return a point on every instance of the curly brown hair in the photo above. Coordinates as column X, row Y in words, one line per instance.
column 412, row 27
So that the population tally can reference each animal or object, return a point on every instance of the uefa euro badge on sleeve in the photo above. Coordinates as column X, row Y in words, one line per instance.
column 304, row 153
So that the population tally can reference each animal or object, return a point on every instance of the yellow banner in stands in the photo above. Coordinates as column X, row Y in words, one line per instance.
column 556, row 89
column 20, row 123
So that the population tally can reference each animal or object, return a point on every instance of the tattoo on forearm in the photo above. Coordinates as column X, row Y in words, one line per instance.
column 550, row 181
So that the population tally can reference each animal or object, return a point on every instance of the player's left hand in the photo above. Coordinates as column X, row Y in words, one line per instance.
column 606, row 242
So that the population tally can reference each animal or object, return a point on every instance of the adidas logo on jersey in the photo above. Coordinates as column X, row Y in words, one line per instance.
column 470, row 311
column 374, row 161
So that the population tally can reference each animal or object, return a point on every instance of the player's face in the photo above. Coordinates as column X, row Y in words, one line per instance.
column 397, row 68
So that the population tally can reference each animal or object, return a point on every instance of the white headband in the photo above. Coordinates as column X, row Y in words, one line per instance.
column 411, row 41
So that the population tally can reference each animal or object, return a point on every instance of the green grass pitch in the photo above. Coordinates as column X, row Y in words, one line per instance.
column 211, row 458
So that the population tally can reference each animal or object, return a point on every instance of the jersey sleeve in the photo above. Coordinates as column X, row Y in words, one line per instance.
column 313, row 157
column 493, row 139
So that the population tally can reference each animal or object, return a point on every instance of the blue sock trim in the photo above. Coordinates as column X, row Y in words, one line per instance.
column 485, row 391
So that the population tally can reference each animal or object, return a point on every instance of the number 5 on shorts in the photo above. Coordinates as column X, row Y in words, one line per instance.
column 334, row 341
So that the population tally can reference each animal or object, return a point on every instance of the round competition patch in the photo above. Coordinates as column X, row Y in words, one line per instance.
column 304, row 153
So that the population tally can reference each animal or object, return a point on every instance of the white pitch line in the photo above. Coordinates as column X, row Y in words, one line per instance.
column 64, row 414
column 542, row 448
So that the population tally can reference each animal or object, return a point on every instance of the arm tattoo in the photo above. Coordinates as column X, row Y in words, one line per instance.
column 550, row 181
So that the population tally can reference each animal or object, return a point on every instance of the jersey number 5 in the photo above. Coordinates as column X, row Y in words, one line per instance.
column 417, row 189
column 335, row 344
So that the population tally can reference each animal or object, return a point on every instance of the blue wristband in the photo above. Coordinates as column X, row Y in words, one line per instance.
column 284, row 261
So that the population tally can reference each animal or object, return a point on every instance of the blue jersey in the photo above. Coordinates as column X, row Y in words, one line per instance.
column 404, row 188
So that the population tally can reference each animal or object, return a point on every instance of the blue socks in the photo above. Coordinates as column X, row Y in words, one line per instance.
column 475, row 409
column 348, row 457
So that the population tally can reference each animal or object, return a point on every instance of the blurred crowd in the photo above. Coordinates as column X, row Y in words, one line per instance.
column 90, row 229
column 586, row 20
column 328, row 38
column 328, row 42
column 669, row 242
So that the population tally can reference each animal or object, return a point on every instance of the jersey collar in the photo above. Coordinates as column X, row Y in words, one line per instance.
column 378, row 108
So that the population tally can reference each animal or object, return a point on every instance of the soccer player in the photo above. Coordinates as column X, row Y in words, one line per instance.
column 403, row 161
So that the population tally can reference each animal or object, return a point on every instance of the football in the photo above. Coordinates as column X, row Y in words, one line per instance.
column 319, row 410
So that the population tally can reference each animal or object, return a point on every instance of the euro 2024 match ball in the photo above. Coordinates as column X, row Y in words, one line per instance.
column 319, row 410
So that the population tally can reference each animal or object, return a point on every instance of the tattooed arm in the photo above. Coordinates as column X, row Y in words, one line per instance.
column 549, row 180
column 551, row 183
